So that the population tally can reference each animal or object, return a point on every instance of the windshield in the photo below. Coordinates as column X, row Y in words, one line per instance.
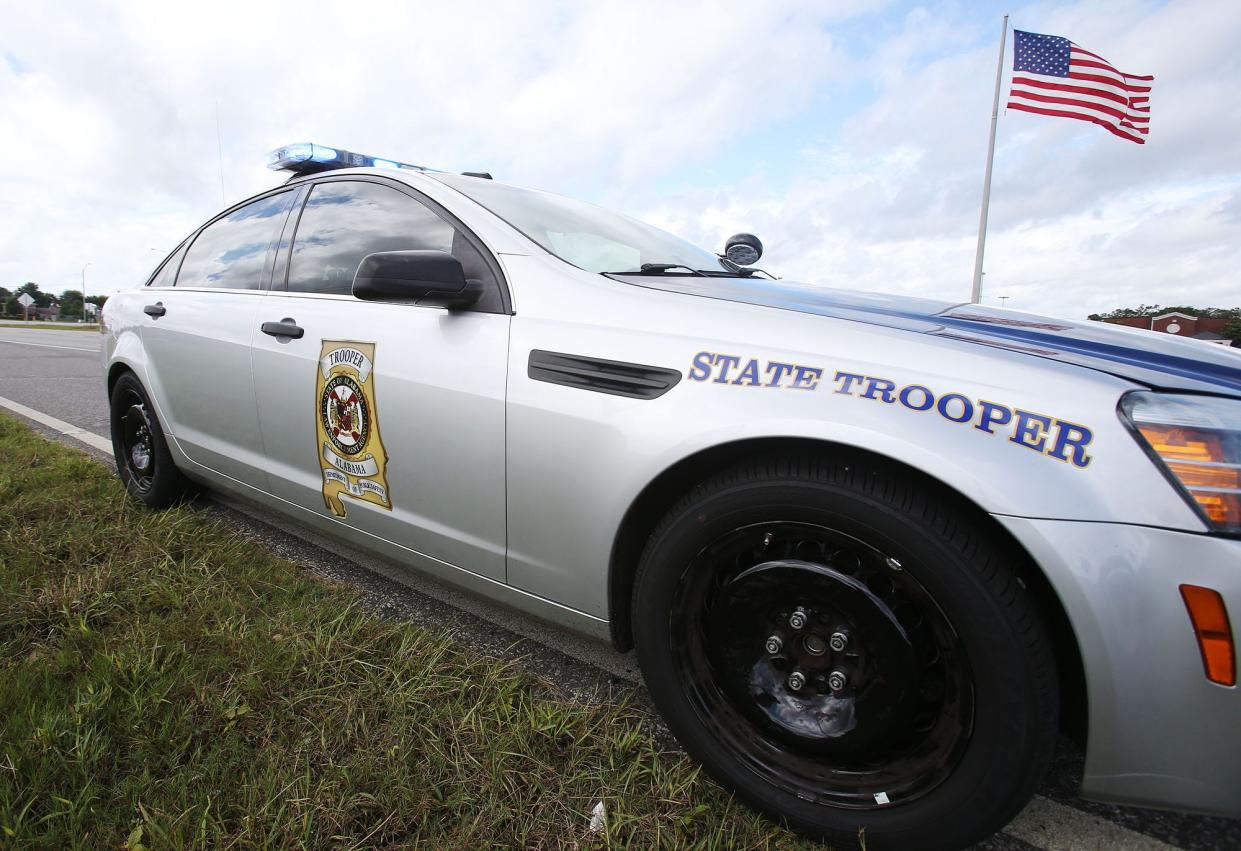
column 587, row 236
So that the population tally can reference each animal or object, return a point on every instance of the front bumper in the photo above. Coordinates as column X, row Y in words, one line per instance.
column 1160, row 733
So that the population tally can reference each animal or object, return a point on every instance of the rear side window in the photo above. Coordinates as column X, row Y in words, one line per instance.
column 344, row 221
column 231, row 253
column 167, row 274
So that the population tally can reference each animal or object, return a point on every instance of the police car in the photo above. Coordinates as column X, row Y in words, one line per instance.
column 872, row 552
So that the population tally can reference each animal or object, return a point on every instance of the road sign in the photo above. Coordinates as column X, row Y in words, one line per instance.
column 25, row 300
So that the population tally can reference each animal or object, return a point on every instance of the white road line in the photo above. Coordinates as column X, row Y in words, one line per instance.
column 47, row 345
column 1056, row 827
column 1044, row 823
column 88, row 437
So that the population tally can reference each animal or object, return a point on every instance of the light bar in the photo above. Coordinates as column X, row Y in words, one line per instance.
column 308, row 158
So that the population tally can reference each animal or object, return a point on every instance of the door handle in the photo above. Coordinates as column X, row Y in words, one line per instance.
column 284, row 328
column 155, row 311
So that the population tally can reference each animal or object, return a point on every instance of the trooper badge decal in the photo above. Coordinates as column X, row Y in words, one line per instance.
column 351, row 452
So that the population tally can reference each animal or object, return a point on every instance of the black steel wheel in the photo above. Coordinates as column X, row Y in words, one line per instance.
column 847, row 653
column 142, row 458
column 755, row 630
column 137, row 447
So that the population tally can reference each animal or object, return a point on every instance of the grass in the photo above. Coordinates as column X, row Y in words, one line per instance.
column 165, row 683
column 50, row 326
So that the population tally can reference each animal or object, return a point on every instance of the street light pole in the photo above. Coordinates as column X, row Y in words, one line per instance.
column 84, row 292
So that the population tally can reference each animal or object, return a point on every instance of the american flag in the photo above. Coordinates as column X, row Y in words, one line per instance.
column 1053, row 76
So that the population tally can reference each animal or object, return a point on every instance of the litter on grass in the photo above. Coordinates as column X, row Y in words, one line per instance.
column 598, row 818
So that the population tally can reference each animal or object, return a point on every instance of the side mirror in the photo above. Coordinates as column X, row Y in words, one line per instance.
column 423, row 277
column 743, row 249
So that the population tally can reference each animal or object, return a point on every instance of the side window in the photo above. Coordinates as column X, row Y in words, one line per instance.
column 231, row 253
column 167, row 273
column 344, row 221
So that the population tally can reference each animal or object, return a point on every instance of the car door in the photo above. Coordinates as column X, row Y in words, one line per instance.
column 387, row 417
column 197, row 336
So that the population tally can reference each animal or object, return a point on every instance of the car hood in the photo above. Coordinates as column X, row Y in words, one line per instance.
column 1156, row 360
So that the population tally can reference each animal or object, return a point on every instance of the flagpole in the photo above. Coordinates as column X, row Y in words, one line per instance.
column 976, row 292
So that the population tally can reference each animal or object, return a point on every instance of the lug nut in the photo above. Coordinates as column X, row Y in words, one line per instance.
column 836, row 681
column 839, row 641
column 797, row 680
column 798, row 619
column 774, row 645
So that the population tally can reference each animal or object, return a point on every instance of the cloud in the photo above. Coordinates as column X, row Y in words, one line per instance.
column 850, row 136
column 114, row 108
column 1080, row 221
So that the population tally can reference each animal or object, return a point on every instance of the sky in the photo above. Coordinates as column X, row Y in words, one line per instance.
column 850, row 136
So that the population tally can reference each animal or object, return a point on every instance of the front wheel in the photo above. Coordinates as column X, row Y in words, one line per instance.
column 142, row 458
column 847, row 652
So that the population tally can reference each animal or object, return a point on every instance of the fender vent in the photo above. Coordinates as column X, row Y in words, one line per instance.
column 602, row 376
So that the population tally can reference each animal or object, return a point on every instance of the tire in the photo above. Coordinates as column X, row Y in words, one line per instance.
column 142, row 458
column 944, row 721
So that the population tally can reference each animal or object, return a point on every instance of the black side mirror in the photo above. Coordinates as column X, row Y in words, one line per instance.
column 423, row 277
column 743, row 249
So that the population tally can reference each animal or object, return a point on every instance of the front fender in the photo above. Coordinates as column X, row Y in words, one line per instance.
column 577, row 460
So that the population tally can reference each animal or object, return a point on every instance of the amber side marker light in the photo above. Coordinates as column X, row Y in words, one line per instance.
column 1210, row 620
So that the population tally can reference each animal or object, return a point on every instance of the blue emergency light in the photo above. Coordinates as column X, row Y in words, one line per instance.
column 308, row 158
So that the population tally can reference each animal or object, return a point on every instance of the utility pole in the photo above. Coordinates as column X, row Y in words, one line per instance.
column 976, row 292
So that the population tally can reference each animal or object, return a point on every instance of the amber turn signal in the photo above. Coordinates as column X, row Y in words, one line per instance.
column 1197, row 441
column 1198, row 461
column 1210, row 620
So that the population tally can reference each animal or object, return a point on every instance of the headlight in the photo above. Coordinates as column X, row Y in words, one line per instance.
column 1197, row 441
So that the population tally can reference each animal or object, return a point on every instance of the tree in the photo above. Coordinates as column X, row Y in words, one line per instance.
column 1232, row 330
column 71, row 303
column 1159, row 310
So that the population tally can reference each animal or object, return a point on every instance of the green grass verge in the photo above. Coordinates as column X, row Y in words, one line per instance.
column 166, row 683
column 49, row 326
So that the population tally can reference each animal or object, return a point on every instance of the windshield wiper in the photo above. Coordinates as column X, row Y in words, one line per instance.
column 661, row 268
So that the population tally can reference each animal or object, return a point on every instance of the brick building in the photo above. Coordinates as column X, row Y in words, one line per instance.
column 1181, row 324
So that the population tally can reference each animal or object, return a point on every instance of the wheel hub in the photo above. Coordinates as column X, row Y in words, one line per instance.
column 138, row 444
column 772, row 634
column 141, row 451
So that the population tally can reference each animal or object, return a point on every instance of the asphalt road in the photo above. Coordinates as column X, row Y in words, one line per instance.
column 56, row 380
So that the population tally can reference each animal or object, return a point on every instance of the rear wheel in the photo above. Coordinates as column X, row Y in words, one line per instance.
column 847, row 652
column 142, row 458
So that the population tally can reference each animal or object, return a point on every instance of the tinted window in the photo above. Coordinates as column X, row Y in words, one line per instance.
column 167, row 273
column 343, row 222
column 232, row 252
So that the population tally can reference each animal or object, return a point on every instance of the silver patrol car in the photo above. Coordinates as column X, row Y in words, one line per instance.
column 873, row 552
